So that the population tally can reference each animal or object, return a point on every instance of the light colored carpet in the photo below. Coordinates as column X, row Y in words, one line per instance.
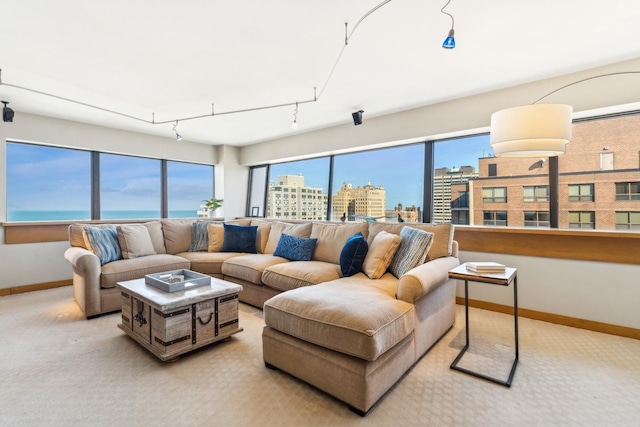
column 58, row 369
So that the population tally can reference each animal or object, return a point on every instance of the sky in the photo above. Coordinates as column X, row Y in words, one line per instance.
column 48, row 178
column 398, row 169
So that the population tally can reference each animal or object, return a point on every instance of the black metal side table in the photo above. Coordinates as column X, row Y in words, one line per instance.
column 503, row 279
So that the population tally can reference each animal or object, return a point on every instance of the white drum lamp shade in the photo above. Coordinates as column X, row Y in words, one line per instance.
column 538, row 130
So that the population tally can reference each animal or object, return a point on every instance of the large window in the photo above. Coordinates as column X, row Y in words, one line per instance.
column 286, row 184
column 188, row 185
column 257, row 190
column 47, row 183
column 539, row 193
column 382, row 185
column 55, row 184
column 129, row 187
column 468, row 185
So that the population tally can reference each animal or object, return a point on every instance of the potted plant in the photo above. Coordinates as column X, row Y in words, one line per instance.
column 212, row 205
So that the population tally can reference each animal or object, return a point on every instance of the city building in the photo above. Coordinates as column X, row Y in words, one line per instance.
column 290, row 199
column 598, row 182
column 449, row 194
column 405, row 214
column 365, row 202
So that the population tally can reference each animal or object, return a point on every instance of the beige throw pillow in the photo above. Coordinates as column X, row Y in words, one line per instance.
column 381, row 252
column 216, row 236
column 135, row 241
column 278, row 228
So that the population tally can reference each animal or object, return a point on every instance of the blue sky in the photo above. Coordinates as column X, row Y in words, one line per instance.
column 398, row 169
column 47, row 178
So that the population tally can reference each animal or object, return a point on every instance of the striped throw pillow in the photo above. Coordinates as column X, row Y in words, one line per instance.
column 412, row 252
column 103, row 242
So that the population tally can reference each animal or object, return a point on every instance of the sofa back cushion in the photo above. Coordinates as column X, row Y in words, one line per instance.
column 277, row 228
column 76, row 235
column 441, row 246
column 264, row 227
column 332, row 238
column 134, row 241
column 177, row 235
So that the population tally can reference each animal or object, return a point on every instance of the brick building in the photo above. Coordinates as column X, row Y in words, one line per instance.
column 598, row 183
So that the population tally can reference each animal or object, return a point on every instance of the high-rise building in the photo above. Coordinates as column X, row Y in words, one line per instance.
column 450, row 194
column 364, row 202
column 290, row 199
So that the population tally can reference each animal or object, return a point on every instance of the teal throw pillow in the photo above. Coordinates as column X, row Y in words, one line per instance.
column 240, row 238
column 295, row 248
column 200, row 237
column 353, row 254
column 412, row 251
column 104, row 243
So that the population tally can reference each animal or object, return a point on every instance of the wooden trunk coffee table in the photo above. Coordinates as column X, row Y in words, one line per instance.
column 171, row 324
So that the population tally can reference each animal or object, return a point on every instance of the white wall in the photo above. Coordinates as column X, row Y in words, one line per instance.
column 596, row 291
column 28, row 264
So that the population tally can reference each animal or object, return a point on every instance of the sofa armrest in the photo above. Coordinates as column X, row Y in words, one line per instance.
column 86, row 279
column 421, row 280
column 84, row 262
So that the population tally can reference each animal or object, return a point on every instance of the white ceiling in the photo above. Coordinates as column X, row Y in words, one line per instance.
column 175, row 59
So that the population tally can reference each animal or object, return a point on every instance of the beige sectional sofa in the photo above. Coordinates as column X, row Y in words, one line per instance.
column 352, row 336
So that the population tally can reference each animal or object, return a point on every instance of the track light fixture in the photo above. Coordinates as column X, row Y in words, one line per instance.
column 357, row 117
column 294, row 125
column 449, row 42
column 178, row 136
column 7, row 113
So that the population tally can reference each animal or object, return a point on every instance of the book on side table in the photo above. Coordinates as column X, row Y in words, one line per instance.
column 485, row 267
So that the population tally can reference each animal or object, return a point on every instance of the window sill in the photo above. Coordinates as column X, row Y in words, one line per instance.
column 586, row 245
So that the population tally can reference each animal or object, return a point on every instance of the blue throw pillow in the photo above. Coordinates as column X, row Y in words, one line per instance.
column 240, row 238
column 353, row 255
column 104, row 243
column 295, row 248
column 200, row 237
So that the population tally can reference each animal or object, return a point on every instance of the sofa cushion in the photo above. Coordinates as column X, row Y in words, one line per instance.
column 264, row 227
column 332, row 237
column 249, row 267
column 295, row 248
column 135, row 268
column 157, row 237
column 239, row 238
column 353, row 254
column 342, row 315
column 207, row 262
column 296, row 274
column 216, row 236
column 199, row 237
column 381, row 252
column 76, row 235
column 103, row 242
column 442, row 236
column 134, row 241
column 412, row 251
column 177, row 234
column 277, row 228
